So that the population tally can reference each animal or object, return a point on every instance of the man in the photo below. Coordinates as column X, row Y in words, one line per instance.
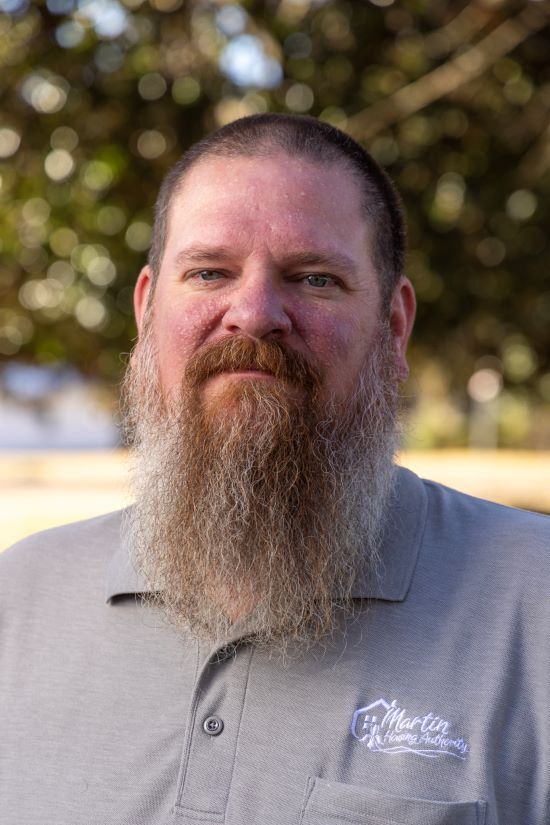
column 322, row 638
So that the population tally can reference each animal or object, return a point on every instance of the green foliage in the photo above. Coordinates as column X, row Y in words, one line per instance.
column 99, row 98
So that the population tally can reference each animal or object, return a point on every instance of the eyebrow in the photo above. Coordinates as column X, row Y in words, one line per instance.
column 326, row 259
column 200, row 254
column 329, row 260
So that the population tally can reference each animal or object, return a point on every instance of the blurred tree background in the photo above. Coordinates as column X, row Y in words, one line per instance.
column 99, row 97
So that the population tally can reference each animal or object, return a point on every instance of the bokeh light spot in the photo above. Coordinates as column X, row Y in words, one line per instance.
column 335, row 116
column 101, row 271
column 108, row 17
column 138, row 236
column 231, row 20
column 63, row 241
column 245, row 62
column 491, row 251
column 185, row 90
column 41, row 294
column 46, row 94
column 109, row 57
column 84, row 254
column 519, row 360
column 449, row 199
column 521, row 205
column 64, row 138
column 90, row 312
column 70, row 34
column 60, row 6
column 299, row 98
column 36, row 211
column 151, row 144
column 110, row 220
column 97, row 175
column 518, row 91
column 152, row 86
column 298, row 44
column 59, row 164
column 14, row 6
column 385, row 150
column 484, row 385
column 15, row 331
column 9, row 142
column 62, row 272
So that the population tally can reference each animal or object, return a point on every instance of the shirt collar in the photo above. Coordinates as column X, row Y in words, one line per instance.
column 398, row 555
column 401, row 542
column 122, row 578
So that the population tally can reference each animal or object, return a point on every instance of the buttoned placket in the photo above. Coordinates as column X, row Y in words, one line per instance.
column 212, row 733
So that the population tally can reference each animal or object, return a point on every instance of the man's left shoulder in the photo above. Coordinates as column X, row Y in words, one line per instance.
column 503, row 532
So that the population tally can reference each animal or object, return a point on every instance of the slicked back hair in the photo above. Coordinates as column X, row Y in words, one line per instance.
column 309, row 139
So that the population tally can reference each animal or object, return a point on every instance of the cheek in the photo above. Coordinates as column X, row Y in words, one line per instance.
column 336, row 339
column 179, row 332
column 340, row 345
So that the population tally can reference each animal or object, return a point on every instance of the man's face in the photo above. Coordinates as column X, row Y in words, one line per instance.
column 271, row 249
column 267, row 296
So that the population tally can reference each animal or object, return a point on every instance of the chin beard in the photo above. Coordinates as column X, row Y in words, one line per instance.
column 263, row 501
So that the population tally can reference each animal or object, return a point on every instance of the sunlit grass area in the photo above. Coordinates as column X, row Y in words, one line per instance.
column 40, row 490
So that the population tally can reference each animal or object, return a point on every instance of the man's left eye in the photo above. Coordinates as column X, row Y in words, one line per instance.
column 208, row 275
column 319, row 281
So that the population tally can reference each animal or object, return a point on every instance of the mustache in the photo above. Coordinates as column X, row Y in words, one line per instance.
column 238, row 353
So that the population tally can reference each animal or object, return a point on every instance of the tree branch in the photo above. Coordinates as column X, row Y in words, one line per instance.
column 443, row 80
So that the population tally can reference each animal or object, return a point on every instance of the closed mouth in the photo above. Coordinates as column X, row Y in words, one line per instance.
column 251, row 372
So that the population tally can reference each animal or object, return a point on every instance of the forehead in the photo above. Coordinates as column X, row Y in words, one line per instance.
column 283, row 199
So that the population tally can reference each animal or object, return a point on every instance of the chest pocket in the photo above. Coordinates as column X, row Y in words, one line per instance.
column 334, row 803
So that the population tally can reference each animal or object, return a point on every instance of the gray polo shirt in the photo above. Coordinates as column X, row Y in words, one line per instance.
column 433, row 709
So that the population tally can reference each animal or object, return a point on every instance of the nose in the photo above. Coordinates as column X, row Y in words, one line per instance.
column 257, row 309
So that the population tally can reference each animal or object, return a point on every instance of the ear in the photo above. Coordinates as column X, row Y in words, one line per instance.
column 142, row 293
column 402, row 313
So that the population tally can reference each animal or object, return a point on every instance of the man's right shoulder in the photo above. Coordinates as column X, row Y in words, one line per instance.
column 55, row 553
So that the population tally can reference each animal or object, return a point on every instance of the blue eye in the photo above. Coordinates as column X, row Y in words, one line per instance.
column 319, row 281
column 208, row 275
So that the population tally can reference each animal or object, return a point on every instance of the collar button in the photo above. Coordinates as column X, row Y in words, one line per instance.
column 212, row 725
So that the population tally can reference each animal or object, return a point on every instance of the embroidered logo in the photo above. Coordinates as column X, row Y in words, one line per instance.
column 386, row 728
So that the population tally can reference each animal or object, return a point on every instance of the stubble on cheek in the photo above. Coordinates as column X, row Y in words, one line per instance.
column 179, row 328
column 344, row 347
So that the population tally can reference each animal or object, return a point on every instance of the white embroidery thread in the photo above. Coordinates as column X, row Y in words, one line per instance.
column 386, row 728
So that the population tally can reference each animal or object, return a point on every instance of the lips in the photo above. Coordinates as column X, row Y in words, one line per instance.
column 249, row 371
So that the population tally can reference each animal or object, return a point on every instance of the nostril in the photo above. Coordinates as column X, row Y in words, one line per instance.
column 275, row 333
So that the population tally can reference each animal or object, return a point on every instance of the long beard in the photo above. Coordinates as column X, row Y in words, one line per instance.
column 265, row 501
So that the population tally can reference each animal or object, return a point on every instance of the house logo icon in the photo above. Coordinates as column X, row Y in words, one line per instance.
column 384, row 727
column 365, row 725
